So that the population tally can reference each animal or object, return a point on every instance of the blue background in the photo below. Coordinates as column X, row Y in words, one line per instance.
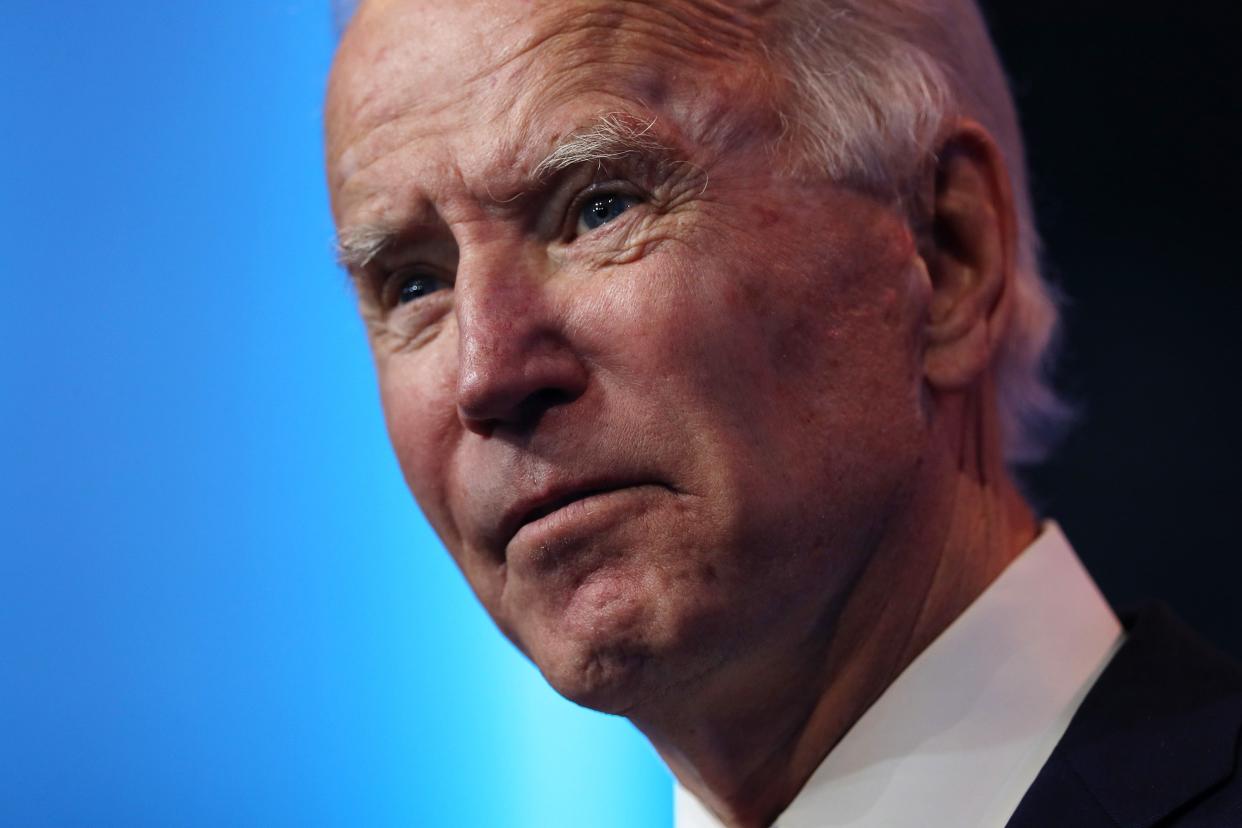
column 218, row 604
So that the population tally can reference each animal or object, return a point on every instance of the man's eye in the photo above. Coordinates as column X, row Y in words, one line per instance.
column 415, row 286
column 599, row 210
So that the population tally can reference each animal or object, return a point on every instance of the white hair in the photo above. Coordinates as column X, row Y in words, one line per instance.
column 875, row 83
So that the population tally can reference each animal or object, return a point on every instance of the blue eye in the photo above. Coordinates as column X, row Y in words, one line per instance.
column 599, row 210
column 417, row 286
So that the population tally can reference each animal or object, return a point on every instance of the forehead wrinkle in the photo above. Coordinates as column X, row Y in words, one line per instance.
column 373, row 139
column 704, row 28
column 380, row 108
column 643, row 40
column 621, row 51
column 380, row 105
column 699, row 61
column 603, row 32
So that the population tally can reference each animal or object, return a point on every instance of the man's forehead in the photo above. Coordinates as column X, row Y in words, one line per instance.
column 412, row 54
column 718, row 25
column 494, row 71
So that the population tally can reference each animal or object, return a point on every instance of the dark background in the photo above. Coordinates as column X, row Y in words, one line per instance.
column 1132, row 122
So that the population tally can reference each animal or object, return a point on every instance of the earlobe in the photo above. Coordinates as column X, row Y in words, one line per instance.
column 968, row 250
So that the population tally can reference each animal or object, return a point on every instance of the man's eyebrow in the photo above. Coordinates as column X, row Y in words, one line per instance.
column 357, row 247
column 614, row 135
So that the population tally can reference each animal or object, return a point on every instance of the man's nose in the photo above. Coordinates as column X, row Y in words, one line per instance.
column 515, row 358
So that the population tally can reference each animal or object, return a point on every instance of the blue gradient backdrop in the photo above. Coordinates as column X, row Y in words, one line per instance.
column 218, row 604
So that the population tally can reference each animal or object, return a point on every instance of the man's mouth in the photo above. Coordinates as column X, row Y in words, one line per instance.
column 535, row 513
column 561, row 502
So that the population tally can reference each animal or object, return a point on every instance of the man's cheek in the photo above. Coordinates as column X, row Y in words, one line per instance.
column 422, row 428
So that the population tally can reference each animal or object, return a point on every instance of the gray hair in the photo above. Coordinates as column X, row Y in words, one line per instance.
column 874, row 85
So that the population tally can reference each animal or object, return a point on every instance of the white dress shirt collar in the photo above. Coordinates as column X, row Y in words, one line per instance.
column 961, row 734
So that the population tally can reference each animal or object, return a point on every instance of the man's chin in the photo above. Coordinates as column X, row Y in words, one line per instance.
column 612, row 679
column 614, row 641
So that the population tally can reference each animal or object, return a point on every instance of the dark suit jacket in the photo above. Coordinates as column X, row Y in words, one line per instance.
column 1156, row 742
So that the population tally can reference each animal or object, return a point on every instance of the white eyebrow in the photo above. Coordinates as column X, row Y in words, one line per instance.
column 357, row 247
column 613, row 136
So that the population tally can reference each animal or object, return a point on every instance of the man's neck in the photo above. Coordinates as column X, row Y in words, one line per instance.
column 746, row 744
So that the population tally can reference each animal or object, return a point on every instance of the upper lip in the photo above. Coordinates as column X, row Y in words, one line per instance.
column 529, row 509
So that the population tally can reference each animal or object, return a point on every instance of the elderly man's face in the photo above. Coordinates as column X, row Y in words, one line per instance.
column 644, row 399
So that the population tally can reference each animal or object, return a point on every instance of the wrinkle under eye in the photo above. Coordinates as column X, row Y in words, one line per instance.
column 599, row 210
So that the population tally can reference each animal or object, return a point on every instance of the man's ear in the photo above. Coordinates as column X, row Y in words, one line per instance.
column 968, row 248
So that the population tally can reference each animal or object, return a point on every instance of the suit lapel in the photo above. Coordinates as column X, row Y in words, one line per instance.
column 1159, row 728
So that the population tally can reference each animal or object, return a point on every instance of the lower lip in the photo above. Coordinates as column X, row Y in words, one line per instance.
column 583, row 517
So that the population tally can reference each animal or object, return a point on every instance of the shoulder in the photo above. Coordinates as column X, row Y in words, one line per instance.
column 1164, row 670
column 1156, row 741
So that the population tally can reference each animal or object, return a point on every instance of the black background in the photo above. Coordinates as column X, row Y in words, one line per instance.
column 1132, row 119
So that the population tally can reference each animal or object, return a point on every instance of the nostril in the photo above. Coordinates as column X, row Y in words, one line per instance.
column 525, row 415
column 549, row 398
column 483, row 406
column 539, row 403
